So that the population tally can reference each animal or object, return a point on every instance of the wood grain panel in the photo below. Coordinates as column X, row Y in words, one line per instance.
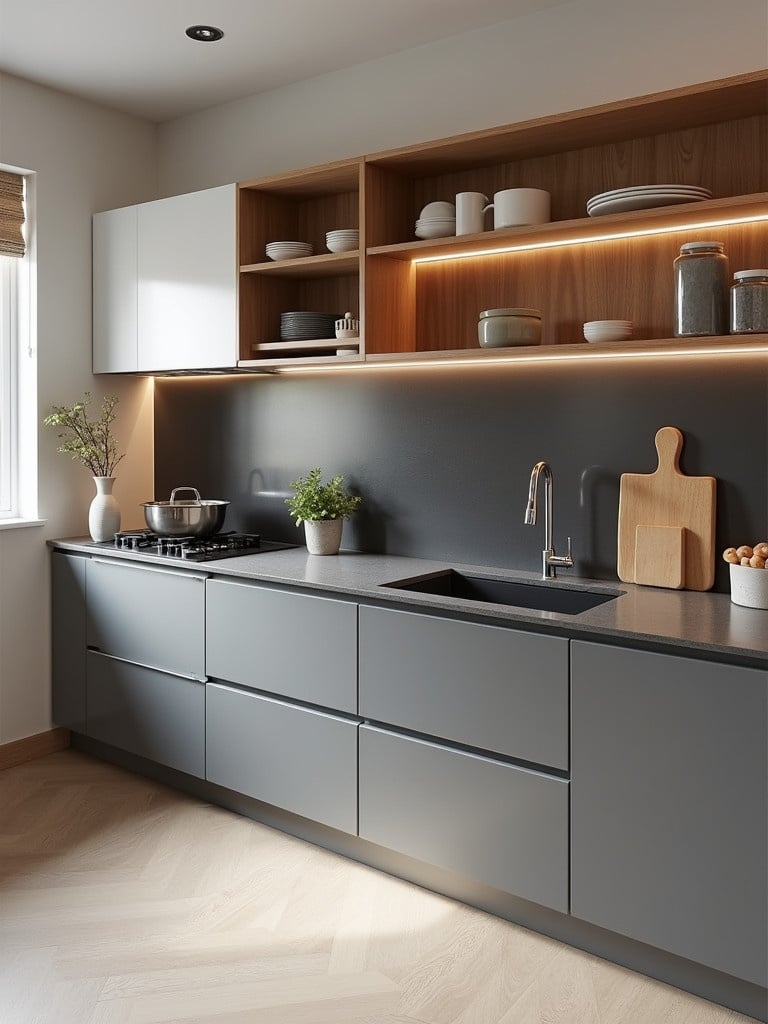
column 390, row 290
column 338, row 176
column 31, row 747
column 629, row 280
column 389, row 206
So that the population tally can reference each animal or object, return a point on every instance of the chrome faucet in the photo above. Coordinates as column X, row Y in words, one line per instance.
column 549, row 560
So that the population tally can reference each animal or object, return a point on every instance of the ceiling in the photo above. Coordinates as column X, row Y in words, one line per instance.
column 135, row 56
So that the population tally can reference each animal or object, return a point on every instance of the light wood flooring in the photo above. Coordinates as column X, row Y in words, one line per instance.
column 124, row 902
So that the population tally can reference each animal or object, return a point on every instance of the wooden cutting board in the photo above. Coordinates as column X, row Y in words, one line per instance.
column 667, row 498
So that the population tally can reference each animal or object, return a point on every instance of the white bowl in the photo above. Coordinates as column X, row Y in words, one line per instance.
column 438, row 211
column 749, row 587
column 435, row 230
column 288, row 250
column 342, row 244
column 609, row 324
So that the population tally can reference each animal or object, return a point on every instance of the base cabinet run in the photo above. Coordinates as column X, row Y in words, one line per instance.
column 493, row 822
column 669, row 808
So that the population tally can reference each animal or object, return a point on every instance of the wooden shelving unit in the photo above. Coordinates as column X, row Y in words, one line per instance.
column 420, row 300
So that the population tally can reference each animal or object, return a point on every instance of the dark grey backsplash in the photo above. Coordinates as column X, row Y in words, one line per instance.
column 443, row 456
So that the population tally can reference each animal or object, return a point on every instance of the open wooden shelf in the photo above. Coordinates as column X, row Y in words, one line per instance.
column 330, row 264
column 312, row 345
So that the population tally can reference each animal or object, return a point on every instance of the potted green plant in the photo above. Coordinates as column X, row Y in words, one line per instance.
column 322, row 508
column 91, row 442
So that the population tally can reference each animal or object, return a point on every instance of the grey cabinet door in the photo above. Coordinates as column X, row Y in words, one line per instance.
column 149, row 713
column 290, row 644
column 68, row 640
column 154, row 617
column 483, row 686
column 296, row 758
column 498, row 824
column 669, row 810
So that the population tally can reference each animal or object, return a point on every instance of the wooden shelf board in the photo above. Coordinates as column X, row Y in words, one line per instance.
column 565, row 231
column 276, row 363
column 706, row 103
column 331, row 264
column 324, row 179
column 316, row 344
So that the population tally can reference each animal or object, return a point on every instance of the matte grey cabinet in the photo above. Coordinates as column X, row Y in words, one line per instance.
column 68, row 640
column 148, row 615
column 496, row 823
column 483, row 686
column 290, row 644
column 302, row 760
column 149, row 713
column 669, row 810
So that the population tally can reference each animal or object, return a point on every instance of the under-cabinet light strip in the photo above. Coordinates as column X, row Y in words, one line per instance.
column 589, row 239
column 574, row 357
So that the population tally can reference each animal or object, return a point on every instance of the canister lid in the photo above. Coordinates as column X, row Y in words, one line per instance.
column 511, row 312
column 745, row 275
column 702, row 247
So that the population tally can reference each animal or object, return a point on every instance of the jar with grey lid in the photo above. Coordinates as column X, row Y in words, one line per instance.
column 501, row 328
column 749, row 302
column 701, row 290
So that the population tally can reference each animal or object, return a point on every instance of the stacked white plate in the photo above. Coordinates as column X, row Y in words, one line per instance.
column 307, row 326
column 644, row 197
column 608, row 330
column 436, row 220
column 342, row 240
column 288, row 250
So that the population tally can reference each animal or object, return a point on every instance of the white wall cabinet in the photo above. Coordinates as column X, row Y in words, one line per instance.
column 165, row 284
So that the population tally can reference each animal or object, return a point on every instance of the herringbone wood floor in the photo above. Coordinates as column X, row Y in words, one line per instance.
column 124, row 902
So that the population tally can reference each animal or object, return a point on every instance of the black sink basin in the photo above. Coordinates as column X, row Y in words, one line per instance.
column 546, row 597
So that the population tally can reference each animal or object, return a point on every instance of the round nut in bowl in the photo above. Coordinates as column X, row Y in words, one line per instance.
column 749, row 587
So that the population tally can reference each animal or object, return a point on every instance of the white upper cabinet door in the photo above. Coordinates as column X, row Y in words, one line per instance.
column 115, row 294
column 187, row 272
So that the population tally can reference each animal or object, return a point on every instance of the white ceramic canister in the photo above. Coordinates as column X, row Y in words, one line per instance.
column 502, row 328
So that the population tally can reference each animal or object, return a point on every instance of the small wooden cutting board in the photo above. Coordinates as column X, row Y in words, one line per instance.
column 667, row 498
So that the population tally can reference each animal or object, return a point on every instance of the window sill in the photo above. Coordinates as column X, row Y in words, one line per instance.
column 15, row 524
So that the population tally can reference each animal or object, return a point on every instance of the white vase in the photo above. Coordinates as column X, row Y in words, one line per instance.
column 323, row 536
column 104, row 513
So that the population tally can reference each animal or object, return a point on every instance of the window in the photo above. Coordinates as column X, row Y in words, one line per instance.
column 18, row 387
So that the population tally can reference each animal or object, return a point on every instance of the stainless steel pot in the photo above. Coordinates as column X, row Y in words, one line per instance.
column 185, row 518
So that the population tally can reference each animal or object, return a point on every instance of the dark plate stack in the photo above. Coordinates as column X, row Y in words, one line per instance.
column 308, row 326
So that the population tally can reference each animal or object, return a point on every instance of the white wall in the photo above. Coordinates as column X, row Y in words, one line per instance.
column 576, row 55
column 86, row 158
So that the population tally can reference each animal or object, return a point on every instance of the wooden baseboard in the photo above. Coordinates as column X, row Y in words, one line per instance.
column 30, row 747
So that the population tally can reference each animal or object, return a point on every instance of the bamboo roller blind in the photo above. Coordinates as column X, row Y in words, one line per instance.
column 11, row 214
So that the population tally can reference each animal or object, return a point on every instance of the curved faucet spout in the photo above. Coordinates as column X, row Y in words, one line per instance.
column 549, row 560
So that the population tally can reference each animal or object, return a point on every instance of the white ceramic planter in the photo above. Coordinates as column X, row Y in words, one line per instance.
column 749, row 587
column 323, row 536
column 104, row 513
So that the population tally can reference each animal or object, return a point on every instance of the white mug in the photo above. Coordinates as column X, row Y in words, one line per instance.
column 514, row 207
column 470, row 207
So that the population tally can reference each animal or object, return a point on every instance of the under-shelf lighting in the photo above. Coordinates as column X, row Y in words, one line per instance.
column 591, row 239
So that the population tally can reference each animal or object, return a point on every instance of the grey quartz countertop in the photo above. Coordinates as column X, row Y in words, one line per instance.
column 694, row 623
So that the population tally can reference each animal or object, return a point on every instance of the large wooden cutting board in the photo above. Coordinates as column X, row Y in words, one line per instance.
column 667, row 498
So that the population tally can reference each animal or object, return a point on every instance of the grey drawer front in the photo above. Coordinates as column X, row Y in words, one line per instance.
column 302, row 760
column 290, row 644
column 149, row 713
column 68, row 640
column 151, row 616
column 483, row 686
column 501, row 825
column 669, row 809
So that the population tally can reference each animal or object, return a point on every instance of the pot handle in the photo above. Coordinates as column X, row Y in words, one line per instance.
column 194, row 490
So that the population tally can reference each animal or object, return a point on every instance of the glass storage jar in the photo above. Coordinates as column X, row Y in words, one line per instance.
column 749, row 302
column 701, row 290
column 500, row 328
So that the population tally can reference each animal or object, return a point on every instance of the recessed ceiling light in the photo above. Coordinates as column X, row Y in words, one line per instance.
column 205, row 33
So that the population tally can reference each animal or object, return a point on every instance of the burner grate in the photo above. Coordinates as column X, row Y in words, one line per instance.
column 195, row 549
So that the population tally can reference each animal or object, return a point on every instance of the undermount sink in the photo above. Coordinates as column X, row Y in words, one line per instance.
column 544, row 597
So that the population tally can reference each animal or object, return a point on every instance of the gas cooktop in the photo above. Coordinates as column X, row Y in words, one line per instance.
column 196, row 549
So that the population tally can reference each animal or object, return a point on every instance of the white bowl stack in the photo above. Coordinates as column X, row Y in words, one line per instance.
column 436, row 220
column 342, row 240
column 608, row 330
column 288, row 250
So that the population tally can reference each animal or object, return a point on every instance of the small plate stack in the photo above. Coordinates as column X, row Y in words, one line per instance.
column 307, row 326
column 436, row 220
column 608, row 330
column 343, row 240
column 644, row 197
column 288, row 250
